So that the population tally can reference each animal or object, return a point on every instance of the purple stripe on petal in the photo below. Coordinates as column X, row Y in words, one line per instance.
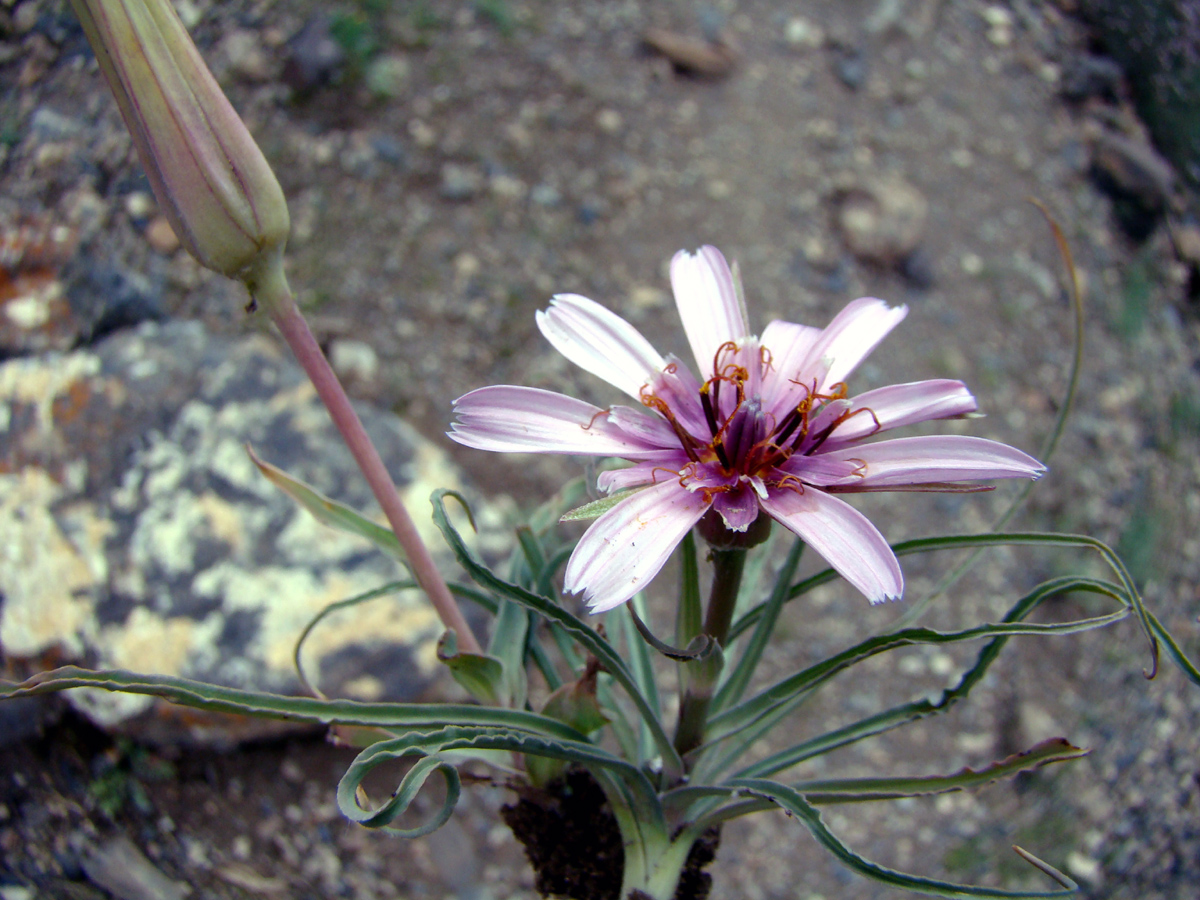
column 739, row 507
column 645, row 427
column 938, row 458
column 823, row 470
column 599, row 341
column 707, row 303
column 898, row 405
column 628, row 545
column 512, row 419
column 852, row 335
column 677, row 387
column 843, row 536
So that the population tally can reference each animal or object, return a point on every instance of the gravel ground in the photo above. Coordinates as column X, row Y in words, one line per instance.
column 471, row 159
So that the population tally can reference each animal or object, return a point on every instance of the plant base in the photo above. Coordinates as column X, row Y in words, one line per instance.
column 574, row 845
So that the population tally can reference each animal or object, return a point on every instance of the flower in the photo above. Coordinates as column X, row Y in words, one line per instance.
column 211, row 179
column 770, row 431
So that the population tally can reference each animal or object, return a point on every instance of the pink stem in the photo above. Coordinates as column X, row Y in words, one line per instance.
column 279, row 303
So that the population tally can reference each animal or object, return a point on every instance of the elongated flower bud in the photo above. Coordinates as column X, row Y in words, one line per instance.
column 209, row 176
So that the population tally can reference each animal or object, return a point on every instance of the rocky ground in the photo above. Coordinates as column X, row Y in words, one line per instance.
column 451, row 165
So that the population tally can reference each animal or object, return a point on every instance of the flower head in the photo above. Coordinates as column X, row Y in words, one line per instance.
column 768, row 430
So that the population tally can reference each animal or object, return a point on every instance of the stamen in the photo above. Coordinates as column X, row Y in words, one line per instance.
column 847, row 415
column 689, row 443
column 603, row 412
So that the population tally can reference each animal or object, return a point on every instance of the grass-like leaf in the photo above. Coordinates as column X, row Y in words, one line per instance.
column 586, row 636
column 199, row 695
column 330, row 512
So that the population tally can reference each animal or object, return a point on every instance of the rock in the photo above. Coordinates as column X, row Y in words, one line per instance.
column 460, row 182
column 1090, row 76
column 35, row 314
column 609, row 121
column 851, row 69
column 242, row 54
column 139, row 205
column 695, row 56
column 804, row 33
column 49, row 125
column 387, row 75
column 161, row 236
column 882, row 220
column 1000, row 25
column 121, row 869
column 545, row 195
column 1157, row 43
column 104, row 298
column 135, row 532
column 354, row 360
column 1140, row 182
column 314, row 58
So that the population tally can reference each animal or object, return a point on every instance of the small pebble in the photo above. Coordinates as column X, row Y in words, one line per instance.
column 161, row 236
column 609, row 121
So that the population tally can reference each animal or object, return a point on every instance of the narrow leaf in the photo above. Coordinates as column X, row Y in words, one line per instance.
column 597, row 508
column 330, row 512
column 580, row 631
column 852, row 790
column 198, row 695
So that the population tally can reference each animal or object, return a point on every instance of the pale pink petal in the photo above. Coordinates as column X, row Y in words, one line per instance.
column 678, row 388
column 898, row 405
column 935, row 459
column 707, row 303
column 665, row 466
column 851, row 336
column 788, row 346
column 599, row 341
column 625, row 548
column 843, row 536
column 822, row 470
column 644, row 426
column 511, row 419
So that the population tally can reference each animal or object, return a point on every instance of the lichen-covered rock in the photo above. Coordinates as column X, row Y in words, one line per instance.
column 136, row 533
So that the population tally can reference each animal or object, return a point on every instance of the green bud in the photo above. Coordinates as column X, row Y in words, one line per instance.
column 209, row 176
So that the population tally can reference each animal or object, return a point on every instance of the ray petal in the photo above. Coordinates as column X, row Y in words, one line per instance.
column 599, row 341
column 511, row 419
column 843, row 536
column 628, row 545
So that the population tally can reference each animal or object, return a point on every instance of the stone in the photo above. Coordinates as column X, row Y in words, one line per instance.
column 387, row 75
column 136, row 533
column 460, row 182
column 697, row 56
column 1156, row 42
column 882, row 220
column 804, row 33
column 121, row 869
column 161, row 236
column 244, row 56
column 314, row 58
column 354, row 360
column 851, row 69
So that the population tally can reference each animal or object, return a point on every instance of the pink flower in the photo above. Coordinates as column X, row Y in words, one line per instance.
column 769, row 431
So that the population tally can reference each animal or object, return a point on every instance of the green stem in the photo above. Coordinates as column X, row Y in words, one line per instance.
column 270, row 288
column 701, row 682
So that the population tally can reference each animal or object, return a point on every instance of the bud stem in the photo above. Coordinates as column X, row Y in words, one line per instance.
column 269, row 287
